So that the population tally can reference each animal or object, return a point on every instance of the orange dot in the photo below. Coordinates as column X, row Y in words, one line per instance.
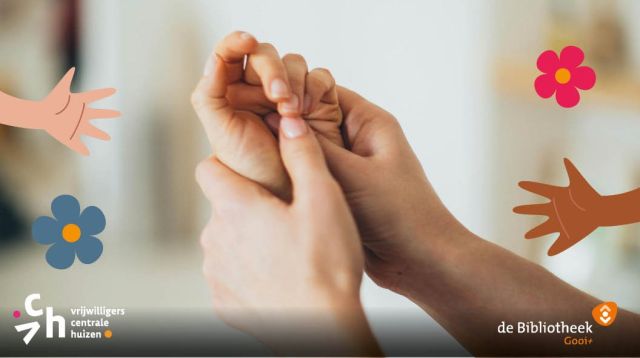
column 71, row 233
column 563, row 75
column 108, row 334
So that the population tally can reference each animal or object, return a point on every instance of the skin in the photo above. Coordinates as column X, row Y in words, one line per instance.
column 64, row 115
column 314, row 308
column 237, row 106
column 413, row 245
column 416, row 247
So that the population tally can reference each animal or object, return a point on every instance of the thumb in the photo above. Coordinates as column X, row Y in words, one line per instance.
column 303, row 159
column 65, row 82
column 577, row 180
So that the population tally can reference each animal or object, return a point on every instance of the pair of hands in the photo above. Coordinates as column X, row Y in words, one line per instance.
column 266, row 252
column 64, row 115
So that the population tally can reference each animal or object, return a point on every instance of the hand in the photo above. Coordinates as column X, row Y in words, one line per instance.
column 65, row 115
column 402, row 222
column 288, row 274
column 62, row 114
column 234, row 102
column 574, row 211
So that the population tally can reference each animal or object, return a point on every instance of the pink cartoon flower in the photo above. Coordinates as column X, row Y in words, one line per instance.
column 563, row 76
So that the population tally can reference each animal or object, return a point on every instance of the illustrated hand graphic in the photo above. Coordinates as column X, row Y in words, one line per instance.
column 66, row 116
column 574, row 211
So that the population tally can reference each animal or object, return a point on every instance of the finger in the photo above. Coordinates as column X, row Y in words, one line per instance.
column 296, row 68
column 92, row 113
column 347, row 167
column 362, row 118
column 65, row 83
column 227, row 189
column 210, row 102
column 77, row 146
column 92, row 131
column 348, row 99
column 545, row 190
column 320, row 86
column 575, row 177
column 273, row 122
column 546, row 228
column 265, row 68
column 244, row 97
column 562, row 243
column 232, row 50
column 95, row 95
column 534, row 209
column 303, row 159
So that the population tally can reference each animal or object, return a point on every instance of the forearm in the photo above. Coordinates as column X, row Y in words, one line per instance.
column 620, row 209
column 17, row 112
column 340, row 331
column 470, row 286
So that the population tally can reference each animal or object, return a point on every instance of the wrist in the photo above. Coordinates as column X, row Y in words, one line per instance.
column 438, row 249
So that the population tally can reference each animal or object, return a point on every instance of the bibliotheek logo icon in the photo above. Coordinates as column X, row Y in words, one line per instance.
column 605, row 313
column 34, row 327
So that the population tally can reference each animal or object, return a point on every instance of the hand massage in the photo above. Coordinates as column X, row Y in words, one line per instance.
column 311, row 186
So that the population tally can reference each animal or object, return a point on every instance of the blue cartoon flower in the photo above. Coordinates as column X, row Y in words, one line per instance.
column 70, row 232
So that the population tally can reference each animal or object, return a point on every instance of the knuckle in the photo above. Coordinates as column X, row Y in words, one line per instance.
column 198, row 100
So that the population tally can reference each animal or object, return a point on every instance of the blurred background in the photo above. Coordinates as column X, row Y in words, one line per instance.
column 457, row 74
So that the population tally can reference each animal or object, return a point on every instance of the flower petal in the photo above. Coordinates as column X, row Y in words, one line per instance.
column 66, row 209
column 61, row 255
column 545, row 85
column 92, row 221
column 571, row 56
column 548, row 61
column 583, row 77
column 567, row 96
column 45, row 230
column 88, row 249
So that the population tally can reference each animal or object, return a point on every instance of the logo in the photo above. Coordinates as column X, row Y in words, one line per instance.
column 605, row 313
column 92, row 322
column 34, row 327
column 563, row 76
column 70, row 233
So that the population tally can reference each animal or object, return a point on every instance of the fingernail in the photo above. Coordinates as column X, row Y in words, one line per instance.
column 291, row 105
column 306, row 104
column 208, row 67
column 279, row 89
column 293, row 127
column 246, row 36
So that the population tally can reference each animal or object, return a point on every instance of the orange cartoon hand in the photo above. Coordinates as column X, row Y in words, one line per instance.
column 66, row 116
column 573, row 211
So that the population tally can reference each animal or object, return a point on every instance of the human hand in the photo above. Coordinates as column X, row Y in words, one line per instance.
column 287, row 273
column 402, row 222
column 234, row 102
column 574, row 211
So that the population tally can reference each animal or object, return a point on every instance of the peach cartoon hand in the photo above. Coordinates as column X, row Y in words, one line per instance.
column 66, row 116
column 573, row 210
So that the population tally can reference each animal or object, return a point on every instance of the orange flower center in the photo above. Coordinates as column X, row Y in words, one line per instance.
column 563, row 76
column 71, row 233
